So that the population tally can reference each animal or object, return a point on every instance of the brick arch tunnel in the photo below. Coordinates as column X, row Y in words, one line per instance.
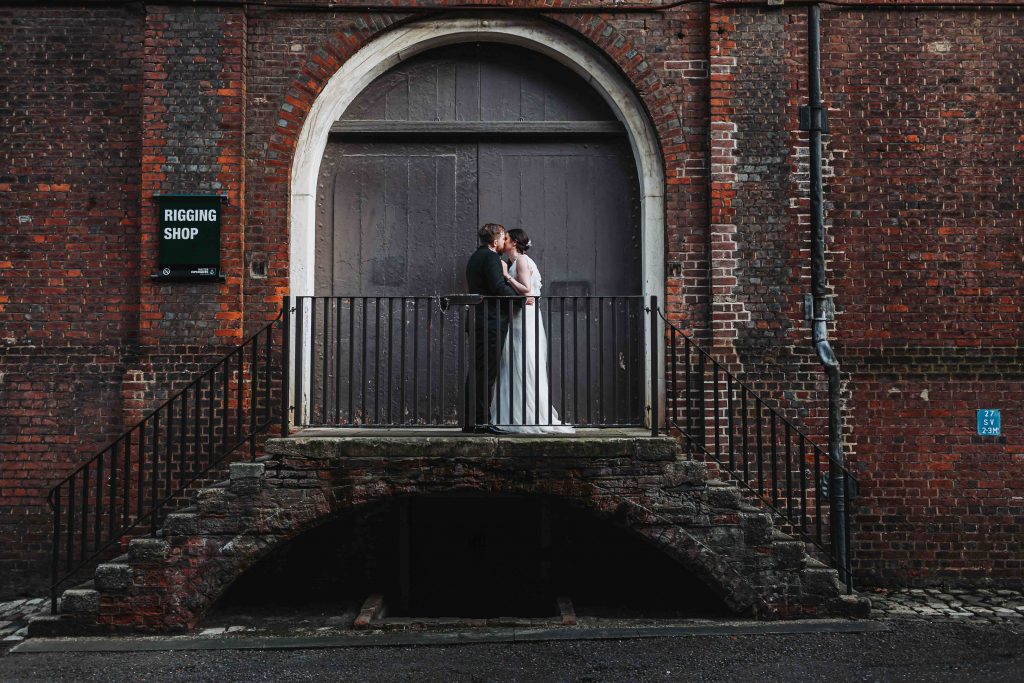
column 643, row 484
column 470, row 555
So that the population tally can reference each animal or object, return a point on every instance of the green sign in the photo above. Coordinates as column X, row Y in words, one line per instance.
column 189, row 237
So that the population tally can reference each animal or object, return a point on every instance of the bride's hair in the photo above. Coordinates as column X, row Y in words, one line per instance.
column 521, row 240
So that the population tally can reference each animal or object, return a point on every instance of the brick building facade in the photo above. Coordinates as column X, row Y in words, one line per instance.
column 104, row 105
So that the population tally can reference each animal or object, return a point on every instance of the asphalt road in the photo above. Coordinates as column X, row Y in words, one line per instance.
column 911, row 651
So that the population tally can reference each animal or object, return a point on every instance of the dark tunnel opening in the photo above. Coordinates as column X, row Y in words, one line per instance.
column 474, row 557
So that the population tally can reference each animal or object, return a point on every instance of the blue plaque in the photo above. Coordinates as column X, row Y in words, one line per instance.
column 990, row 422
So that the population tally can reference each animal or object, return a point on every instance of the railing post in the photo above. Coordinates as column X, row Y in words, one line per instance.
column 470, row 417
column 285, row 364
column 654, row 366
column 55, row 559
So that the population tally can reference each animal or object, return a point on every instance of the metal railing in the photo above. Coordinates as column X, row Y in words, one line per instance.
column 421, row 361
column 720, row 417
column 132, row 480
column 416, row 362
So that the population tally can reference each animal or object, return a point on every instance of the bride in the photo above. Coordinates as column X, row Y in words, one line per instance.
column 541, row 417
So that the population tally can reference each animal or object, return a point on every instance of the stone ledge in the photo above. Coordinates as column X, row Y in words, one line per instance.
column 320, row 447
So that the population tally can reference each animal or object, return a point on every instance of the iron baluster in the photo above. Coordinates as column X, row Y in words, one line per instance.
column 688, row 399
column 731, row 426
column 746, row 435
column 702, row 415
column 153, row 474
column 84, row 540
column 674, row 364
column 352, row 359
column 630, row 304
column 576, row 354
column 600, row 359
column 55, row 550
column 718, row 429
column 98, row 512
column 775, row 470
column 523, row 312
column 183, row 436
column 376, row 361
column 240, row 393
column 803, row 483
column 285, row 376
column 760, row 446
column 142, row 469
column 537, row 322
column 401, row 372
column 338, row 307
column 817, row 495
column 300, row 343
column 362, row 357
column 430, row 385
column 615, row 360
column 71, row 521
column 654, row 365
column 415, row 359
column 126, row 492
column 590, row 383
column 509, row 354
column 440, row 371
column 114, row 474
column 168, row 441
column 471, row 363
column 789, row 474
column 485, row 383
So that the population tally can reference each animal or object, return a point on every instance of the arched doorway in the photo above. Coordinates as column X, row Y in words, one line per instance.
column 401, row 44
column 466, row 134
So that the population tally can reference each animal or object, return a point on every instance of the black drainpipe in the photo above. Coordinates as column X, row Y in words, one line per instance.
column 821, row 309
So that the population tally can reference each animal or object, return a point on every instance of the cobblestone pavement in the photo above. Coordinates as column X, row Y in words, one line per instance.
column 14, row 615
column 970, row 606
column 974, row 605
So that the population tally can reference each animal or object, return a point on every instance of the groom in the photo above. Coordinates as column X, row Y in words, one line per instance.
column 486, row 276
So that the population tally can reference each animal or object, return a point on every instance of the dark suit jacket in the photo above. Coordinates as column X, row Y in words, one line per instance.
column 484, row 275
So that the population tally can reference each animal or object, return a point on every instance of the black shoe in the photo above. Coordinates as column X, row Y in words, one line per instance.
column 491, row 429
column 479, row 429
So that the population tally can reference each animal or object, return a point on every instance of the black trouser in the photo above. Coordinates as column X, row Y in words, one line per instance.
column 490, row 337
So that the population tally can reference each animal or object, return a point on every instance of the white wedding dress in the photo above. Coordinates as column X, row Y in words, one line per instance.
column 541, row 417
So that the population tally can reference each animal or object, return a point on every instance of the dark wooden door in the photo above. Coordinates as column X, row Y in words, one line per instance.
column 400, row 218
column 441, row 144
column 579, row 204
column 395, row 219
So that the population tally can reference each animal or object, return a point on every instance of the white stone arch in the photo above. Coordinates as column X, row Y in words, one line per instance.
column 399, row 44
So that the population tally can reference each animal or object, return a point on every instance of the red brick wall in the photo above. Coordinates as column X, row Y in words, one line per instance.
column 927, row 216
column 924, row 217
column 105, row 108
column 69, row 198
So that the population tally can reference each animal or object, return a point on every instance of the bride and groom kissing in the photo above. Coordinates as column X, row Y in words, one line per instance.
column 511, row 389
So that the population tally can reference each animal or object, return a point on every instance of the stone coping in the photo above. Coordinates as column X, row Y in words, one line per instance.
column 412, row 443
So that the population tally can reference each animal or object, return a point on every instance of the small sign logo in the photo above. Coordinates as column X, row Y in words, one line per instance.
column 990, row 422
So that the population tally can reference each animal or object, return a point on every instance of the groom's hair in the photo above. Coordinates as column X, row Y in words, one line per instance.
column 489, row 232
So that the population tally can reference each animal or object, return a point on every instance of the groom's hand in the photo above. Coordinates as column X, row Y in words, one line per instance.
column 530, row 300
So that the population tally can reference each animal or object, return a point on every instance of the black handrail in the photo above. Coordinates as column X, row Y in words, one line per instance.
column 133, row 479
column 411, row 361
column 753, row 441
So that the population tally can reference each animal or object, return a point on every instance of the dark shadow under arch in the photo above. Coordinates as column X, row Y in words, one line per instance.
column 474, row 556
